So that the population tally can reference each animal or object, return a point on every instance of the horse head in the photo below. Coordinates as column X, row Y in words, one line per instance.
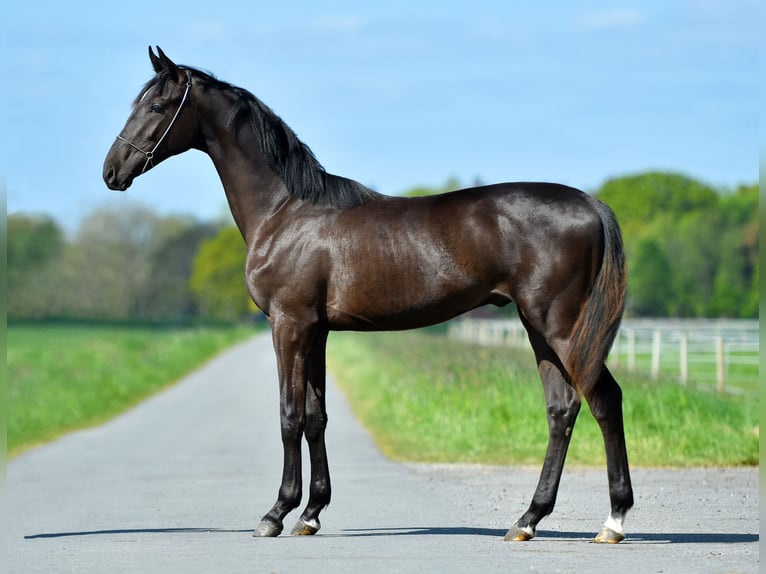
column 159, row 126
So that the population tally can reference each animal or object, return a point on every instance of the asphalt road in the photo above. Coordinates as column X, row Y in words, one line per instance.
column 178, row 484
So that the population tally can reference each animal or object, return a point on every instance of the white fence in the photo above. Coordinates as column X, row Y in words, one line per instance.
column 720, row 354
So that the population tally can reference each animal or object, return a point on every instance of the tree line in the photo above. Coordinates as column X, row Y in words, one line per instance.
column 126, row 264
column 692, row 249
column 692, row 252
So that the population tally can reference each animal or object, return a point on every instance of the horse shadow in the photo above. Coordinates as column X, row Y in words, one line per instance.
column 647, row 538
column 654, row 537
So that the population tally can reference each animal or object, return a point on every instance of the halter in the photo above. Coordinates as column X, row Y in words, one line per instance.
column 150, row 154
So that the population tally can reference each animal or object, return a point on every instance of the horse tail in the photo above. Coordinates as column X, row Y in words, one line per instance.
column 599, row 320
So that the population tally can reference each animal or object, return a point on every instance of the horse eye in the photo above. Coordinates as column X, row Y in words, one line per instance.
column 157, row 108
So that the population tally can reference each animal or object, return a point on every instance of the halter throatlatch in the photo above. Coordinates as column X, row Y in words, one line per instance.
column 150, row 154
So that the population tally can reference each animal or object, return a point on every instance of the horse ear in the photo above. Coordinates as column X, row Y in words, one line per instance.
column 155, row 61
column 162, row 63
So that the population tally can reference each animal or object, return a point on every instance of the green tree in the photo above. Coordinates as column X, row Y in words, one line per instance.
column 695, row 244
column 34, row 246
column 108, row 263
column 651, row 289
column 171, row 263
column 708, row 237
column 218, row 278
column 637, row 200
column 124, row 263
column 32, row 241
column 735, row 292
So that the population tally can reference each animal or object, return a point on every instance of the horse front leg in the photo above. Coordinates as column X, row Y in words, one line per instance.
column 316, row 423
column 292, row 342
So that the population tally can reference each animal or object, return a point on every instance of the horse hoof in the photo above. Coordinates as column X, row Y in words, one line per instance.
column 267, row 529
column 519, row 534
column 306, row 527
column 608, row 536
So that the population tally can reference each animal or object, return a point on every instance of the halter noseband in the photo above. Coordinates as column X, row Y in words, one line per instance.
column 150, row 154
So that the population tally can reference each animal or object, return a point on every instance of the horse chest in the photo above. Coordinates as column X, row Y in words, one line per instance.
column 278, row 281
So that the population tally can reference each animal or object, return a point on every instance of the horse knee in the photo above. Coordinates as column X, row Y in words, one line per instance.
column 292, row 427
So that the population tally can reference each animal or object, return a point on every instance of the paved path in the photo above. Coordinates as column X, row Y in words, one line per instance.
column 177, row 485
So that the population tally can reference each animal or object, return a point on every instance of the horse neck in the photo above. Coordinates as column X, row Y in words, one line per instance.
column 252, row 189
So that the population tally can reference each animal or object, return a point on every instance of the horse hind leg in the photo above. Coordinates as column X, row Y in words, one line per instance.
column 605, row 401
column 562, row 406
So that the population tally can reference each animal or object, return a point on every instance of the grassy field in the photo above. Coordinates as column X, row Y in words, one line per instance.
column 64, row 377
column 427, row 398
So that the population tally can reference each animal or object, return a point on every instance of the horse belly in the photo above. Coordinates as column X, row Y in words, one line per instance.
column 386, row 302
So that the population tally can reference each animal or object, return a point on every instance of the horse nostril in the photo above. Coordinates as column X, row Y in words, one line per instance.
column 109, row 174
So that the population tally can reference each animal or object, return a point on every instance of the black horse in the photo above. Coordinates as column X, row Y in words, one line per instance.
column 326, row 253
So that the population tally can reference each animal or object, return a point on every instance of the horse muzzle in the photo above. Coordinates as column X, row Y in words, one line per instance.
column 114, row 180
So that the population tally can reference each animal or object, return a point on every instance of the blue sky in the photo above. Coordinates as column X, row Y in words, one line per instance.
column 393, row 94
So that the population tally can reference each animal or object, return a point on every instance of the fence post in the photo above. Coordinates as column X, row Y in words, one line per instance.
column 720, row 365
column 656, row 349
column 684, row 360
column 631, row 350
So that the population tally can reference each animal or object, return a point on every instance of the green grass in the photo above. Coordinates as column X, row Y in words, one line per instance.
column 65, row 377
column 427, row 398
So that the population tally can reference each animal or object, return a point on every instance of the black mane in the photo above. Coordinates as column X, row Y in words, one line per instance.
column 290, row 158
